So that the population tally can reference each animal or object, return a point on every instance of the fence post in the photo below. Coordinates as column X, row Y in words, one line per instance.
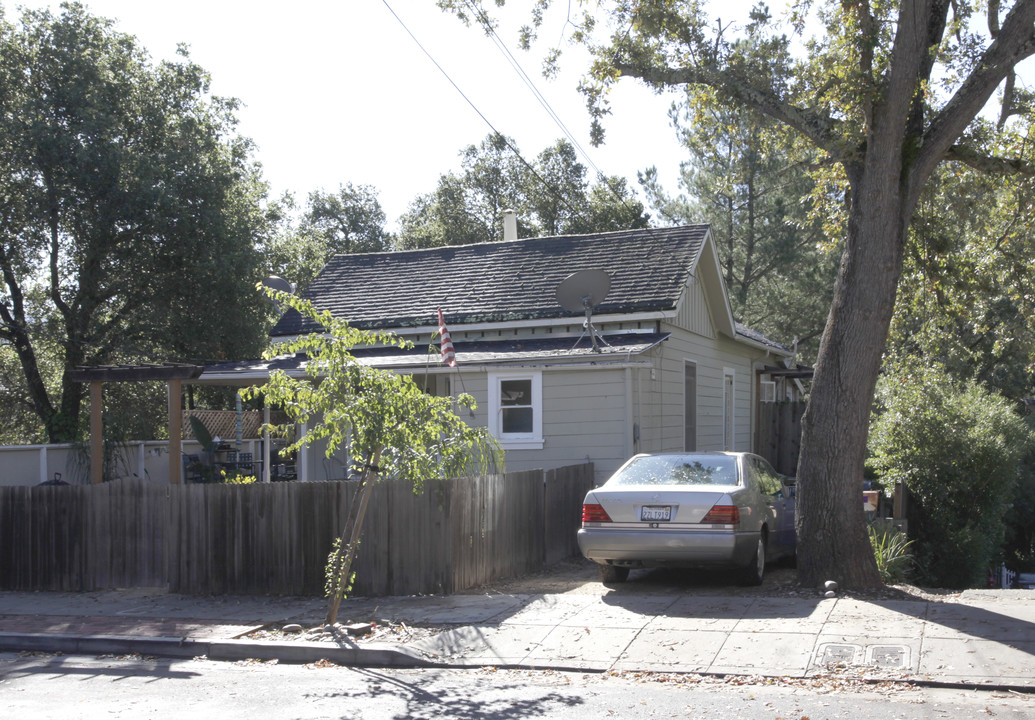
column 96, row 433
column 175, row 431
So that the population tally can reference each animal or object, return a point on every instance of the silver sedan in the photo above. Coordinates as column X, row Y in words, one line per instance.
column 717, row 509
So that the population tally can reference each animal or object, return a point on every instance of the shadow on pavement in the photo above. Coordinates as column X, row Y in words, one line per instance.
column 29, row 664
column 424, row 704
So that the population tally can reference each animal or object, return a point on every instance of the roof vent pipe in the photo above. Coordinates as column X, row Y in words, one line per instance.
column 509, row 225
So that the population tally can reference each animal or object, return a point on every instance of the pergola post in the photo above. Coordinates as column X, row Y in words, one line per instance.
column 175, row 430
column 96, row 432
column 173, row 373
column 267, row 440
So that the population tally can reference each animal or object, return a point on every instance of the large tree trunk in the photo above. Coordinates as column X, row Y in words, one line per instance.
column 831, row 524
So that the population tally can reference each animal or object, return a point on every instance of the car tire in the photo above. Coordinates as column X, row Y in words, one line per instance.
column 613, row 574
column 754, row 572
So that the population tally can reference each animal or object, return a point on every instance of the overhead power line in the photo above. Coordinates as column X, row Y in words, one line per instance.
column 506, row 140
column 484, row 21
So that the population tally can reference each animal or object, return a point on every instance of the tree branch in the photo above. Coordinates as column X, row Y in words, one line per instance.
column 989, row 164
column 821, row 129
column 1015, row 41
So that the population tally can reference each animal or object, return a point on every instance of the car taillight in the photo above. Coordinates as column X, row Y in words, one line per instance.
column 722, row 515
column 594, row 513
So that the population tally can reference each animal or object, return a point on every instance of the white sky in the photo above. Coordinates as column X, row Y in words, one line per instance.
column 338, row 92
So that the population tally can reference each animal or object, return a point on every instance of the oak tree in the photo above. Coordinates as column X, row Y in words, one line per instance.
column 884, row 93
column 128, row 210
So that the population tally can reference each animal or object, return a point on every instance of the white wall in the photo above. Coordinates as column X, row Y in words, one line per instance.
column 32, row 464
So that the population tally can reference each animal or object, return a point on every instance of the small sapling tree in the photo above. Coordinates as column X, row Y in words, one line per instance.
column 390, row 427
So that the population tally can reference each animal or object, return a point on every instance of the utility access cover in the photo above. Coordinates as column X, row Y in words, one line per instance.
column 839, row 654
column 887, row 656
column 881, row 656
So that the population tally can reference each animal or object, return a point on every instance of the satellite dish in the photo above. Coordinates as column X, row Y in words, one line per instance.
column 584, row 290
column 278, row 283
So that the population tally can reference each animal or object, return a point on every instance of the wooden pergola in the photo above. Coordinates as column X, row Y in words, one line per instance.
column 172, row 373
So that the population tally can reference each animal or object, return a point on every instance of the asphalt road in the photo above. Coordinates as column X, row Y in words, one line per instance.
column 67, row 687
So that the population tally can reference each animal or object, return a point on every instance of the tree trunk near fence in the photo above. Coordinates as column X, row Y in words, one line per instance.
column 348, row 542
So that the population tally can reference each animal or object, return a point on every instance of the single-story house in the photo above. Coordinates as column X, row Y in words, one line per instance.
column 657, row 364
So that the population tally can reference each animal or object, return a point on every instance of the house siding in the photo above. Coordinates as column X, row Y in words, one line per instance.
column 693, row 313
column 713, row 360
column 584, row 416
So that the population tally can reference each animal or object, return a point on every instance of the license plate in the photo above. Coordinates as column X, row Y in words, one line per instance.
column 655, row 512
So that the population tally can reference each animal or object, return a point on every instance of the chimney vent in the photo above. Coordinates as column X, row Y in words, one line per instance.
column 509, row 225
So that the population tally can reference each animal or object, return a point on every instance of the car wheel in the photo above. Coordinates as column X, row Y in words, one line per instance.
column 612, row 574
column 755, row 570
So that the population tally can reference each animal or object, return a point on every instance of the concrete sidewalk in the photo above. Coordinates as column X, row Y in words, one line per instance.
column 978, row 638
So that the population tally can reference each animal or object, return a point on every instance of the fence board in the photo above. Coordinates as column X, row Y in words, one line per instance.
column 274, row 539
column 779, row 434
column 566, row 488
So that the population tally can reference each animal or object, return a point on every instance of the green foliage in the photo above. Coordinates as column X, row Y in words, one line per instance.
column 958, row 449
column 332, row 570
column 891, row 550
column 1019, row 547
column 202, row 434
column 390, row 427
column 550, row 197
column 237, row 478
column 968, row 293
column 748, row 180
column 129, row 211
column 348, row 221
column 375, row 413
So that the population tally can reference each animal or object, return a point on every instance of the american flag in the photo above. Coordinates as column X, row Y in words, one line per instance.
column 445, row 342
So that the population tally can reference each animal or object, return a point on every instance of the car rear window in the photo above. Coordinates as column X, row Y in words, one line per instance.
column 679, row 470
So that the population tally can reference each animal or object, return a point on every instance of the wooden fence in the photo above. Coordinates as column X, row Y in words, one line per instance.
column 274, row 538
column 779, row 434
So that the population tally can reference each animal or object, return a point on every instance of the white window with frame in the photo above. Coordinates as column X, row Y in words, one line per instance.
column 516, row 409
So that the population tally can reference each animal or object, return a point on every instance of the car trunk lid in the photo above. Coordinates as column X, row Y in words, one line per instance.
column 682, row 504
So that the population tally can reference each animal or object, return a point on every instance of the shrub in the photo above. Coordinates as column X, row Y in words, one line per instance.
column 1020, row 522
column 958, row 449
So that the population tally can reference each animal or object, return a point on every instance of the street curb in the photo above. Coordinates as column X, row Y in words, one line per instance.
column 371, row 655
column 101, row 644
column 368, row 656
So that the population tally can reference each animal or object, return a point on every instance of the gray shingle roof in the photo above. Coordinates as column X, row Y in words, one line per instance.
column 758, row 337
column 500, row 281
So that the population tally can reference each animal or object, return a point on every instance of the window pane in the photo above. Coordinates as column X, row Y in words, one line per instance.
column 517, row 420
column 515, row 392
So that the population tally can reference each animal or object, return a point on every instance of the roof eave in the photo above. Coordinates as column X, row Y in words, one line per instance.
column 645, row 316
column 773, row 349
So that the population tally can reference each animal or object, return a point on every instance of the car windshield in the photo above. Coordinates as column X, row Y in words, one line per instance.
column 679, row 470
